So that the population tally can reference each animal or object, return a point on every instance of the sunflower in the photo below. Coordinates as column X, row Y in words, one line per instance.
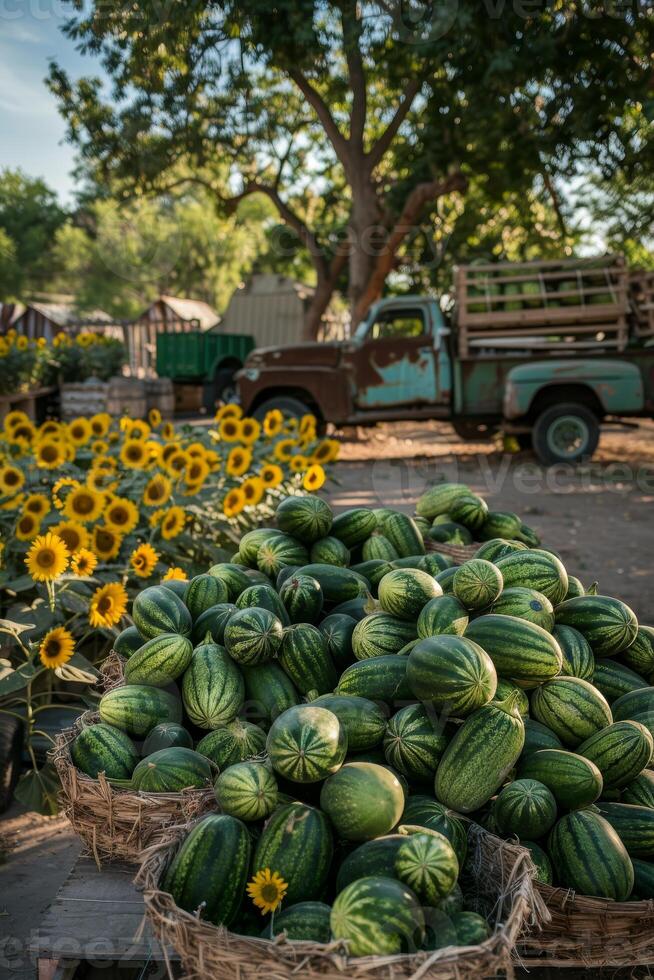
column 291, row 424
column 267, row 890
column 177, row 463
column 230, row 429
column 11, row 480
column 47, row 558
column 299, row 464
column 79, row 431
column 50, row 428
column 169, row 451
column 73, row 534
column 273, row 422
column 196, row 472
column 168, row 431
column 157, row 516
column 106, row 542
column 229, row 411
column 213, row 460
column 37, row 504
column 195, row 449
column 154, row 417
column 83, row 562
column 234, row 502
column 308, row 424
column 14, row 502
column 84, row 504
column 253, row 490
column 49, row 454
column 326, row 451
column 284, row 449
column 157, row 491
column 176, row 573
column 314, row 477
column 108, row 605
column 143, row 560
column 271, row 474
column 27, row 526
column 85, row 339
column 14, row 418
column 134, row 454
column 173, row 523
column 100, row 424
column 250, row 431
column 137, row 429
column 239, row 461
column 99, row 447
column 56, row 647
column 121, row 515
column 101, row 479
column 23, row 433
column 22, row 343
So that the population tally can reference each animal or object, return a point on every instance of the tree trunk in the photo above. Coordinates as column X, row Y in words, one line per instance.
column 366, row 236
column 324, row 291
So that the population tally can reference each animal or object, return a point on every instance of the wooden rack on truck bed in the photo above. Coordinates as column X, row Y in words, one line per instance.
column 641, row 291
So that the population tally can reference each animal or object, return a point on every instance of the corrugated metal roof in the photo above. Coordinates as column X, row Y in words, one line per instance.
column 65, row 314
column 192, row 309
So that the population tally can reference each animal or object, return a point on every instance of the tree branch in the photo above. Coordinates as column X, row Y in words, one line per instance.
column 316, row 101
column 375, row 155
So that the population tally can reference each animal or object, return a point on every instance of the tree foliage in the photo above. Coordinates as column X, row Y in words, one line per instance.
column 30, row 215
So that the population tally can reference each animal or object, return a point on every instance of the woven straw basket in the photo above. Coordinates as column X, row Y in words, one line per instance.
column 459, row 552
column 112, row 672
column 503, row 887
column 114, row 823
column 590, row 932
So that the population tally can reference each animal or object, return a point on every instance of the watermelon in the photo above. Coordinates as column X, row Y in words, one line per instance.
column 213, row 691
column 403, row 534
column 356, row 608
column 373, row 571
column 542, row 863
column 449, row 532
column 640, row 790
column 136, row 708
column 363, row 721
column 535, row 569
column 439, row 928
column 588, row 855
column 337, row 584
column 379, row 679
column 498, row 548
column 504, row 688
column 159, row 661
column 446, row 579
column 362, row 800
column 482, row 753
column 633, row 703
column 177, row 586
column 353, row 526
column 275, row 553
column 525, row 808
column 451, row 903
column 253, row 636
column 405, row 591
column 424, row 811
column 103, row 748
column 330, row 551
column 268, row 691
column 373, row 857
column 621, row 751
column 634, row 826
column 578, row 657
column 213, row 622
column 414, row 742
column 157, row 610
column 251, row 542
column 526, row 604
column 128, row 642
column 639, row 655
column 167, row 736
column 444, row 614
column 203, row 592
column 500, row 524
column 247, row 790
column 305, row 658
column 439, row 499
column 296, row 842
column 435, row 562
column 233, row 742
column 575, row 587
column 263, row 596
column 613, row 679
column 477, row 583
column 377, row 916
column 306, row 517
column 171, row 771
column 428, row 865
column 452, row 674
column 520, row 650
column 539, row 736
column 572, row 708
column 234, row 577
column 575, row 781
column 306, row 744
column 643, row 879
column 471, row 928
column 302, row 922
column 210, row 870
column 469, row 510
column 337, row 630
column 380, row 634
column 378, row 546
column 608, row 624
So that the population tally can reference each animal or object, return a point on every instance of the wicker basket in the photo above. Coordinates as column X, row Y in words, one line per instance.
column 114, row 823
column 460, row 552
column 112, row 672
column 502, row 875
column 590, row 932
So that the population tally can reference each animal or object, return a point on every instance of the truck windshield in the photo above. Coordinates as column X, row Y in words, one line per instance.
column 392, row 325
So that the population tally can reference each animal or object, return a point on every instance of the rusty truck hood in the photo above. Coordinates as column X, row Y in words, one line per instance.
column 309, row 354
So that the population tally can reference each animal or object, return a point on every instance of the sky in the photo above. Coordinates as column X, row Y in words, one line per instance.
column 32, row 133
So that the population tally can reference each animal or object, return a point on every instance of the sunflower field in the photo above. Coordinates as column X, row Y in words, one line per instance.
column 27, row 363
column 93, row 510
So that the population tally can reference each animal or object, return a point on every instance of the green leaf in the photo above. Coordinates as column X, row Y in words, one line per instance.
column 21, row 584
column 37, row 790
column 18, row 679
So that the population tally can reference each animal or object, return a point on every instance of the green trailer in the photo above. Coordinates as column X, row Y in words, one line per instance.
column 204, row 358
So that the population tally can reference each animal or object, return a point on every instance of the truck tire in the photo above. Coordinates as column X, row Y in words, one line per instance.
column 224, row 385
column 284, row 403
column 11, row 753
column 566, row 433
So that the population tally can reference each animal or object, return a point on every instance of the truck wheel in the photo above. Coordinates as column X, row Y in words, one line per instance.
column 11, row 752
column 567, row 433
column 287, row 405
column 224, row 386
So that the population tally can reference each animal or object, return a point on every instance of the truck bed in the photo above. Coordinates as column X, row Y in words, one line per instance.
column 195, row 356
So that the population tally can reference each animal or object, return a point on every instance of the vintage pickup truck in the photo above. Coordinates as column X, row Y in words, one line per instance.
column 546, row 351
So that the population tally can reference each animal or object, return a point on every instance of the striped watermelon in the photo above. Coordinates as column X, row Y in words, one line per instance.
column 373, row 857
column 213, row 691
column 439, row 499
column 574, row 781
column 498, row 548
column 621, row 751
column 640, row 790
column 477, row 583
column 363, row 721
column 379, row 679
column 448, row 532
column 643, row 879
column 377, row 917
column 451, row 673
column 539, row 736
column 445, row 614
column 209, row 872
column 263, row 596
column 362, row 800
column 337, row 630
column 353, row 526
column 425, row 811
column 279, row 551
column 253, row 636
column 404, row 535
column 575, row 587
column 247, row 790
column 302, row 922
column 171, row 771
column 305, row 658
column 639, row 655
column 381, row 634
column 373, row 571
column 520, row 650
column 470, row 510
column 500, row 524
column 158, row 610
column 428, row 865
column 526, row 604
column 213, row 622
column 306, row 517
column 378, row 546
column 337, row 584
column 471, row 928
column 203, row 592
column 405, row 591
column 233, row 742
column 525, row 808
column 634, row 826
column 588, row 855
column 235, row 578
column 578, row 657
column 634, row 703
column 613, row 679
column 504, row 688
column 446, row 579
column 136, row 708
column 607, row 623
column 167, row 736
column 542, row 863
column 535, row 569
column 128, row 642
column 572, row 708
column 306, row 744
column 103, row 748
column 296, row 842
column 414, row 742
column 251, row 542
column 159, row 661
column 269, row 691
column 330, row 551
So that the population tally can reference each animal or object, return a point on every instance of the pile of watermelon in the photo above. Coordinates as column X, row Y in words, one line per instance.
column 355, row 698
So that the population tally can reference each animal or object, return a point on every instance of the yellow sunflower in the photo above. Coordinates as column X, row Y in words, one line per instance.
column 157, row 491
column 271, row 474
column 168, row 431
column 37, row 504
column 108, row 605
column 196, row 472
column 173, row 523
column 291, row 424
column 79, row 431
column 57, row 647
column 177, row 463
column 100, row 424
column 154, row 417
column 99, row 447
column 284, row 449
column 157, row 516
column 137, row 429
column 230, row 429
column 273, row 422
column 143, row 560
column 326, row 451
column 250, row 431
column 234, row 502
column 23, row 433
column 121, row 515
column 308, row 424
column 27, row 526
column 49, row 454
column 73, row 534
column 84, row 504
column 14, row 502
column 50, row 428
column 229, row 411
column 176, row 573
column 134, row 454
column 298, row 464
column 83, row 562
column 213, row 460
column 253, row 490
column 11, row 480
column 14, row 418
column 239, row 461
column 195, row 449
column 169, row 451
column 267, row 890
column 314, row 477
column 22, row 343
column 106, row 542
column 47, row 558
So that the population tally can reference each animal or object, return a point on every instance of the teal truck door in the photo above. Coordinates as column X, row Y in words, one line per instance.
column 394, row 361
